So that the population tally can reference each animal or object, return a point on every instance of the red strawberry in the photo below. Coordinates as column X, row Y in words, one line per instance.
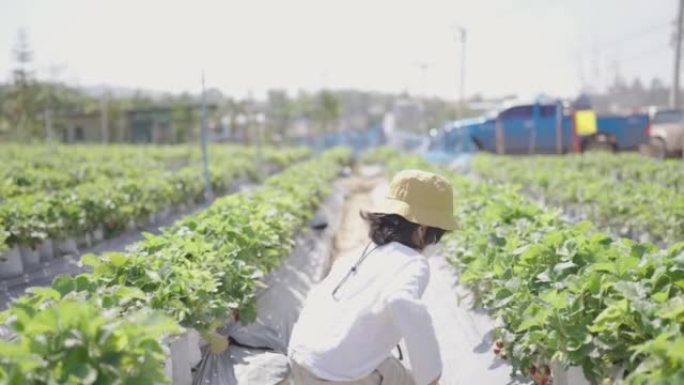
column 541, row 376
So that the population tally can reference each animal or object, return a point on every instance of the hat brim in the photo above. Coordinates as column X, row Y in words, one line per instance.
column 422, row 216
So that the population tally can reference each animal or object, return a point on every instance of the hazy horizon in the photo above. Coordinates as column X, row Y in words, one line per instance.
column 555, row 47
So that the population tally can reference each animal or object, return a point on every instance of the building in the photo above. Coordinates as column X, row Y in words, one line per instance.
column 79, row 127
column 157, row 124
column 151, row 125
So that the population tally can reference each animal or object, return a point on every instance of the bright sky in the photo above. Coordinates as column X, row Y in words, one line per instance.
column 513, row 46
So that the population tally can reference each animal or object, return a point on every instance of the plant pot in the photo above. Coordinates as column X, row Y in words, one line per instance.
column 110, row 230
column 85, row 240
column 180, row 365
column 67, row 246
column 98, row 234
column 164, row 214
column 11, row 264
column 30, row 257
column 46, row 250
column 180, row 208
column 168, row 368
column 194, row 352
column 131, row 225
column 151, row 218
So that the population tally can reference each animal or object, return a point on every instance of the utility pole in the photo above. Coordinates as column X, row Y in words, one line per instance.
column 463, row 68
column 461, row 92
column 423, row 67
column 47, row 114
column 104, row 118
column 254, row 121
column 674, row 96
column 208, row 195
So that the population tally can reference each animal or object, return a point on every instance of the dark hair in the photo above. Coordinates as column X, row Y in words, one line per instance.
column 386, row 228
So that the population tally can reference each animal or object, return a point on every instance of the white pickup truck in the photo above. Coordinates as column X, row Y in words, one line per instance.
column 667, row 133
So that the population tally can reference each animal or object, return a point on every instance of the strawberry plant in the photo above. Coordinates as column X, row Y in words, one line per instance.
column 4, row 234
column 646, row 200
column 107, row 326
column 206, row 265
column 77, row 342
column 110, row 188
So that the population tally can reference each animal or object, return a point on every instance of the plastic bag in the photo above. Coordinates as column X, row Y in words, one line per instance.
column 258, row 367
column 215, row 369
column 258, row 357
column 242, row 366
column 257, row 336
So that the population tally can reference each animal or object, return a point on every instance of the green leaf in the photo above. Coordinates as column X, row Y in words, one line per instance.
column 117, row 259
column 64, row 284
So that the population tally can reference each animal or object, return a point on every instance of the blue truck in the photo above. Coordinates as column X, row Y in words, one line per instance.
column 542, row 128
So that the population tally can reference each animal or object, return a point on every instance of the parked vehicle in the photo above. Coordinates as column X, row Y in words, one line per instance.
column 667, row 133
column 540, row 128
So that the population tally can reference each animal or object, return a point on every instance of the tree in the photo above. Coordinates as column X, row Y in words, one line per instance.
column 4, row 122
column 327, row 110
column 237, row 112
column 658, row 94
column 21, row 104
column 183, row 117
column 280, row 112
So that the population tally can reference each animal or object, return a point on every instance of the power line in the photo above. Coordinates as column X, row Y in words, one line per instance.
column 630, row 36
column 647, row 54
column 625, row 38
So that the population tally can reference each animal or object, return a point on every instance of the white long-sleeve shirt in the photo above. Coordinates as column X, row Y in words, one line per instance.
column 347, row 337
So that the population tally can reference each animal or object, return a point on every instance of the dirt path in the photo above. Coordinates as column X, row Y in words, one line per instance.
column 353, row 234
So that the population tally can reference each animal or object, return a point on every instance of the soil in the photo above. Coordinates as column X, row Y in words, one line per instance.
column 352, row 236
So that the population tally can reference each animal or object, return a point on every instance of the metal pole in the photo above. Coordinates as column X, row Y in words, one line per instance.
column 461, row 92
column 104, row 124
column 48, row 126
column 252, row 119
column 559, row 128
column 674, row 96
column 205, row 155
column 260, row 158
column 499, row 137
column 463, row 62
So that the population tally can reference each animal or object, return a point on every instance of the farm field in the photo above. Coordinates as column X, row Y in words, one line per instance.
column 629, row 195
column 53, row 199
column 563, row 294
column 565, row 297
column 111, row 324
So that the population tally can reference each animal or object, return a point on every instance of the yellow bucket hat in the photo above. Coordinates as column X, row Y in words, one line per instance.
column 421, row 197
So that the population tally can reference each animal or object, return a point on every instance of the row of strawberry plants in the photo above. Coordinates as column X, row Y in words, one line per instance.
column 112, row 204
column 40, row 168
column 630, row 195
column 27, row 169
column 110, row 326
column 567, row 293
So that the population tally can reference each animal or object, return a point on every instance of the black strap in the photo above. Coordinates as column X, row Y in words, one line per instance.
column 237, row 343
column 354, row 267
